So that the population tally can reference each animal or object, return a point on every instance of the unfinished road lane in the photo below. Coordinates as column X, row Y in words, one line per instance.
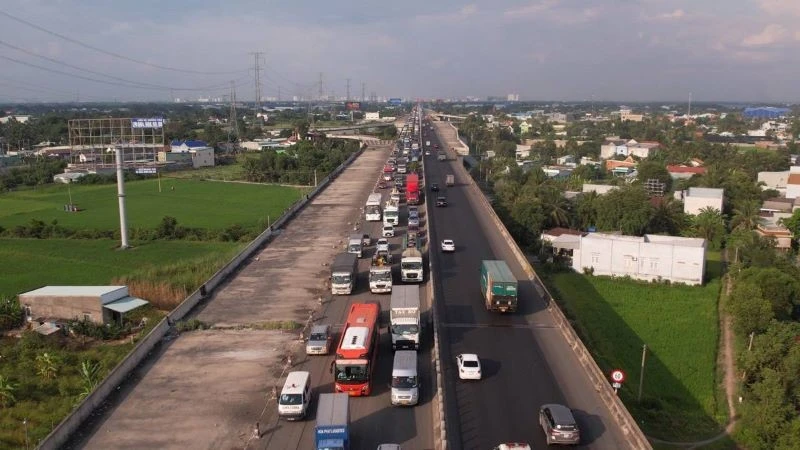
column 526, row 360
column 207, row 389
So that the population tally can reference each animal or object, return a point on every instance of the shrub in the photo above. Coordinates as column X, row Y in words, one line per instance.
column 11, row 313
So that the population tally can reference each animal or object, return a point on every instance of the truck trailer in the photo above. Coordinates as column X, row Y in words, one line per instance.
column 343, row 273
column 412, row 189
column 499, row 286
column 450, row 180
column 332, row 430
column 404, row 317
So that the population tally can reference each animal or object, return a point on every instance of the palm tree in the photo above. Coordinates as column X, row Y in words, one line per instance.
column 745, row 215
column 668, row 217
column 46, row 366
column 709, row 224
column 6, row 392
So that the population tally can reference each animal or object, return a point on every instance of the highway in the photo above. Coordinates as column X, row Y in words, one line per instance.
column 526, row 362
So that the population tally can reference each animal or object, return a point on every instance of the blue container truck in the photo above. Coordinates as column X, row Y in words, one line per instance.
column 332, row 431
column 499, row 286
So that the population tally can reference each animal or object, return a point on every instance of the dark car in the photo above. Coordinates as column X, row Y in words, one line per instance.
column 559, row 424
column 441, row 201
column 435, row 187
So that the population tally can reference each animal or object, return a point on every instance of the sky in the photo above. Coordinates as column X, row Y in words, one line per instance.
column 551, row 50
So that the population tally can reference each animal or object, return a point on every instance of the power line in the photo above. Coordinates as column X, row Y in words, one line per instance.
column 257, row 57
column 112, row 83
column 115, row 55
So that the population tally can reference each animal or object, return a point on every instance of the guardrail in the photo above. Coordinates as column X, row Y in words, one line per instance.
column 64, row 430
column 619, row 412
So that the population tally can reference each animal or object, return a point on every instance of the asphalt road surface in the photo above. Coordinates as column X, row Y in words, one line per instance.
column 526, row 361
column 373, row 419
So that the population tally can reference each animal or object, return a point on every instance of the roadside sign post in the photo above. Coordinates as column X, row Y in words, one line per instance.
column 617, row 378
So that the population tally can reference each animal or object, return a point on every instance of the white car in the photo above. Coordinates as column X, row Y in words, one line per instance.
column 382, row 245
column 448, row 245
column 513, row 446
column 469, row 366
column 388, row 231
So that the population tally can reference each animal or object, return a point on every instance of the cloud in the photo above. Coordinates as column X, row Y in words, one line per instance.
column 781, row 7
column 531, row 9
column 448, row 17
column 677, row 14
column 555, row 11
column 771, row 34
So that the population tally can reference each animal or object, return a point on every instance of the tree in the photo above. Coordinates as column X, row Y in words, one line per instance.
column 668, row 217
column 793, row 224
column 746, row 215
column 46, row 366
column 650, row 169
column 709, row 224
column 7, row 389
column 750, row 311
column 586, row 210
column 778, row 287
column 626, row 209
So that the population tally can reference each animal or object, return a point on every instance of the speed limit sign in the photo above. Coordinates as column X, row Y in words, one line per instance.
column 618, row 376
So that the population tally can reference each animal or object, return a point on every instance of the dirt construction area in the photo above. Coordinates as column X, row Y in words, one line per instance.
column 207, row 389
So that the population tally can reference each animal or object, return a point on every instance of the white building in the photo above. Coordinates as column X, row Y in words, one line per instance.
column 652, row 257
column 696, row 199
column 774, row 180
column 793, row 182
column 372, row 116
column 185, row 146
column 20, row 119
column 600, row 189
column 622, row 147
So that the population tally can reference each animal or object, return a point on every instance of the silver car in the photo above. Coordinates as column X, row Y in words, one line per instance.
column 319, row 340
column 413, row 222
column 559, row 424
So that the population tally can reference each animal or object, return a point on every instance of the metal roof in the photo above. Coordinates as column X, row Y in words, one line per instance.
column 125, row 304
column 74, row 291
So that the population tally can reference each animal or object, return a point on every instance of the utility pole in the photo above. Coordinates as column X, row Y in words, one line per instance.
column 641, row 374
column 363, row 91
column 689, row 113
column 232, row 120
column 279, row 93
column 257, row 58
column 347, row 98
column 321, row 90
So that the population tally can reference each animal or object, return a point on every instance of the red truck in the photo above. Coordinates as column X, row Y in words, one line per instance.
column 412, row 189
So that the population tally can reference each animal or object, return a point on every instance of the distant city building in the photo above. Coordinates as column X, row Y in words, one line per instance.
column 178, row 146
column 372, row 116
column 20, row 119
column 513, row 97
column 631, row 147
column 765, row 112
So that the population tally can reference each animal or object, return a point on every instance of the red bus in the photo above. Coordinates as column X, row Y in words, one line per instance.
column 357, row 350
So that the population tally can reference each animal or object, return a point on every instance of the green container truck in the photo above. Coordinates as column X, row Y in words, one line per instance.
column 499, row 287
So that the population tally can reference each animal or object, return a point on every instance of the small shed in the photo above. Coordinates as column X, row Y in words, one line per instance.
column 99, row 304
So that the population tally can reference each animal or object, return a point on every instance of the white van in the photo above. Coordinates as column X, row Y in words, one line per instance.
column 355, row 245
column 405, row 380
column 295, row 396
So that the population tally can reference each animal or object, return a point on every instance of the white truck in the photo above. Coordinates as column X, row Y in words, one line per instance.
column 404, row 317
column 391, row 214
column 372, row 210
column 343, row 273
column 380, row 273
column 411, row 266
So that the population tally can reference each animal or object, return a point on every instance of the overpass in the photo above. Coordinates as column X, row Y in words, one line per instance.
column 446, row 117
column 359, row 126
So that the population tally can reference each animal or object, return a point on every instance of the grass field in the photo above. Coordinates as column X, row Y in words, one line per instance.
column 194, row 203
column 679, row 325
column 31, row 263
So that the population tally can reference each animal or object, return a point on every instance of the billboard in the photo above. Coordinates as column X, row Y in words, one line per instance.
column 395, row 101
column 153, row 122
column 353, row 106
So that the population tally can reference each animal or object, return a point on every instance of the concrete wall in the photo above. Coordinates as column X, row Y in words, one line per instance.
column 631, row 256
column 62, row 432
column 55, row 306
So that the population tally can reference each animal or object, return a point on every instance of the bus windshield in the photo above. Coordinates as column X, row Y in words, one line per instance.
column 352, row 373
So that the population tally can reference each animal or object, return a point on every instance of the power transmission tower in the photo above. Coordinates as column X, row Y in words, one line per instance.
column 363, row 91
column 233, row 121
column 321, row 90
column 257, row 58
column 347, row 99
